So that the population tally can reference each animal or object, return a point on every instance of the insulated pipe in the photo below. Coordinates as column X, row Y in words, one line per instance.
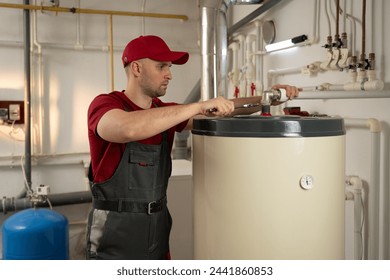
column 374, row 184
column 214, row 41
column 208, row 54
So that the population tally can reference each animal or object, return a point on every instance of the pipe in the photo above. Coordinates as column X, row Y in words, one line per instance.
column 15, row 204
column 374, row 183
column 38, row 88
column 46, row 159
column 208, row 54
column 221, row 48
column 273, row 73
column 337, row 35
column 234, row 74
column 112, row 54
column 259, row 59
column 214, row 41
column 78, row 24
column 356, row 184
column 74, row 10
column 250, row 72
column 313, row 93
column 27, row 96
column 363, row 29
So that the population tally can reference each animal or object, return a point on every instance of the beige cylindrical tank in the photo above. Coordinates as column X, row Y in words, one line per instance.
column 269, row 188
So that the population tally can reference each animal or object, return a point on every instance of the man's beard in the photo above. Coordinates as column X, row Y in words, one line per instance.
column 149, row 90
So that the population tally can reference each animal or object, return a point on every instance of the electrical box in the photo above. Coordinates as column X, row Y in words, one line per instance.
column 3, row 114
column 12, row 111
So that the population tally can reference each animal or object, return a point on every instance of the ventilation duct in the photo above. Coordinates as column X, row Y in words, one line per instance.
column 214, row 42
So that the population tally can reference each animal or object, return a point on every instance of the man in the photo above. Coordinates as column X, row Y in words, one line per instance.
column 131, row 135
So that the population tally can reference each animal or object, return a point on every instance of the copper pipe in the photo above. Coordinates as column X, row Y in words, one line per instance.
column 112, row 53
column 364, row 28
column 337, row 17
column 91, row 11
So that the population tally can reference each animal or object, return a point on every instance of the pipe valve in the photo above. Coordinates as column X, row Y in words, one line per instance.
column 272, row 97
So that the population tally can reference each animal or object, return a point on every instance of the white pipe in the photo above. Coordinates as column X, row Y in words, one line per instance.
column 375, row 85
column 328, row 18
column 242, row 85
column 249, row 65
column 374, row 183
column 316, row 18
column 272, row 74
column 235, row 72
column 312, row 92
column 39, row 113
column 47, row 159
column 143, row 18
column 78, row 25
column 259, row 59
column 355, row 183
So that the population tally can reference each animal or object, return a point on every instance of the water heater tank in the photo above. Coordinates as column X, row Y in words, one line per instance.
column 269, row 187
column 35, row 234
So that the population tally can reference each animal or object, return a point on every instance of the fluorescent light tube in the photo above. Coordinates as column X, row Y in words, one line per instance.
column 285, row 44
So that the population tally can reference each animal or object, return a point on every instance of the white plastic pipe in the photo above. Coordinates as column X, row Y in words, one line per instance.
column 373, row 125
column 312, row 92
column 234, row 74
column 250, row 67
column 259, row 59
column 38, row 81
column 355, row 183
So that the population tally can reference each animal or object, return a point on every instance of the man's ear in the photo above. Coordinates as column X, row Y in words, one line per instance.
column 135, row 67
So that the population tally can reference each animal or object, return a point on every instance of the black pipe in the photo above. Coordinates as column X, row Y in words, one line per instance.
column 70, row 198
column 27, row 96
column 16, row 204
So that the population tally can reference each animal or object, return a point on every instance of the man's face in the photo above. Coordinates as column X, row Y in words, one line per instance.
column 155, row 77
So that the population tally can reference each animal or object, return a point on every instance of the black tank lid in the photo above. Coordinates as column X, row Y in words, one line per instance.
column 272, row 126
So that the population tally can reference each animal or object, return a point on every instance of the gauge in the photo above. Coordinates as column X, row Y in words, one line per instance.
column 306, row 182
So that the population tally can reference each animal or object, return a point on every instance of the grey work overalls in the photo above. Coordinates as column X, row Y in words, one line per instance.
column 130, row 218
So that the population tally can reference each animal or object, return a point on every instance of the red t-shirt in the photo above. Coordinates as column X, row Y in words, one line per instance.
column 105, row 156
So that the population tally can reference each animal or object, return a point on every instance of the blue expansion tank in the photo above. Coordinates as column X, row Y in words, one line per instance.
column 35, row 234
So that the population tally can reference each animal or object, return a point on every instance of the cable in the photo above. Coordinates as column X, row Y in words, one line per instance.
column 48, row 202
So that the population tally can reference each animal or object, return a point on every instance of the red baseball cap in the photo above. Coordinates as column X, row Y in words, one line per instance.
column 152, row 47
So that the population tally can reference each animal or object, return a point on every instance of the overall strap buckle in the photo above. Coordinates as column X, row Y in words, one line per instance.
column 156, row 206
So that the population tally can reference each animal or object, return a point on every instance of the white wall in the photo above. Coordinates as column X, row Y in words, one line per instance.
column 72, row 77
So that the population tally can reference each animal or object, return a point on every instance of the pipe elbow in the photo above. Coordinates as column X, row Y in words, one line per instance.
column 374, row 125
column 355, row 183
